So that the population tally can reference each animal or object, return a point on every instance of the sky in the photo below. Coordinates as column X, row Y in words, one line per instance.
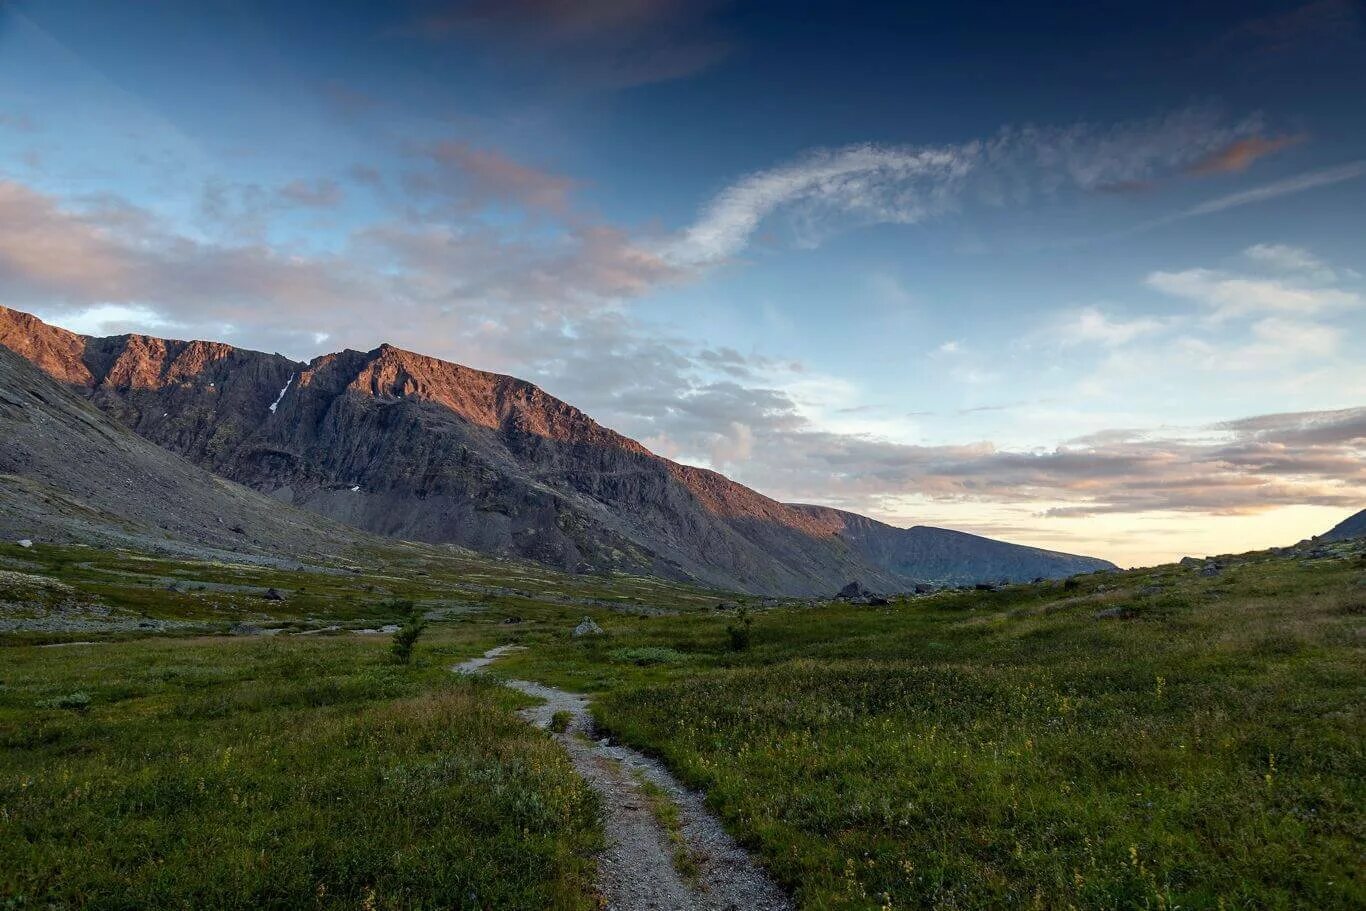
column 1085, row 276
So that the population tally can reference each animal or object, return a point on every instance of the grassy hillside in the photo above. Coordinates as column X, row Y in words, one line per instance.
column 1153, row 739
column 1182, row 737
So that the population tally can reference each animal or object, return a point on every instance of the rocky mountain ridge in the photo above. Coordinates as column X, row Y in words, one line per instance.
column 410, row 446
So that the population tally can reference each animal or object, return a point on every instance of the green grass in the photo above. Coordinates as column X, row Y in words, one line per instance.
column 1201, row 748
column 1009, row 749
column 278, row 774
column 666, row 814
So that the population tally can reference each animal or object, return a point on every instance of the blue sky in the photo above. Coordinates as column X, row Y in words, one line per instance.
column 1087, row 276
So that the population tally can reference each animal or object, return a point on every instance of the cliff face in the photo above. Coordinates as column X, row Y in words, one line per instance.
column 68, row 472
column 411, row 446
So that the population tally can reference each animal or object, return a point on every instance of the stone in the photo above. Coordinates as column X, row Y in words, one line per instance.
column 25, row 542
column 587, row 627
column 853, row 590
column 273, row 594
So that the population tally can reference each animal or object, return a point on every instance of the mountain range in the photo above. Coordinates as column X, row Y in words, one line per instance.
column 403, row 445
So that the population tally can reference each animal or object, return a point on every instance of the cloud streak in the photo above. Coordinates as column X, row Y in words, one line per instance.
column 827, row 190
column 1298, row 184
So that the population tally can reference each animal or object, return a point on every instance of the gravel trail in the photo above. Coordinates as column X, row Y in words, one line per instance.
column 636, row 870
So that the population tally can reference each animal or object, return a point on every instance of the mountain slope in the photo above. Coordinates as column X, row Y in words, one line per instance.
column 69, row 473
column 1353, row 526
column 941, row 555
column 411, row 446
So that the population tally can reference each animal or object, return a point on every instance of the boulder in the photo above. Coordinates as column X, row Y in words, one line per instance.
column 1211, row 569
column 853, row 590
column 587, row 627
column 25, row 542
column 273, row 594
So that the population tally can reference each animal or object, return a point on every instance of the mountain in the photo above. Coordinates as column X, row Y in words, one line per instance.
column 70, row 473
column 941, row 555
column 1351, row 527
column 410, row 446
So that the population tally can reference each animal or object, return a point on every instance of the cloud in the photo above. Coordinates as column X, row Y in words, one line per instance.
column 1297, row 184
column 1229, row 296
column 1091, row 326
column 867, row 183
column 1285, row 258
column 421, row 284
column 832, row 189
column 1240, row 154
column 1242, row 467
column 599, row 43
column 473, row 178
column 322, row 193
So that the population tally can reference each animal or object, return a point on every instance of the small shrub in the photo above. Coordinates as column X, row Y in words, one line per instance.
column 76, row 702
column 647, row 656
column 408, row 633
column 559, row 722
column 739, row 631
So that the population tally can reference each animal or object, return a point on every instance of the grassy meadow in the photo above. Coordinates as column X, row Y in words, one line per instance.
column 1199, row 744
column 1159, row 739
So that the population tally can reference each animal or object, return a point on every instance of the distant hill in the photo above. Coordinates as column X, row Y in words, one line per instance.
column 1351, row 527
column 941, row 555
column 409, row 446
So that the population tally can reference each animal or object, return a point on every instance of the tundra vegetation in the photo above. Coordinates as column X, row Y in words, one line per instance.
column 1176, row 737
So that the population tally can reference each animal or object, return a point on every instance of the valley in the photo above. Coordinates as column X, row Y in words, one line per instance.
column 1180, row 736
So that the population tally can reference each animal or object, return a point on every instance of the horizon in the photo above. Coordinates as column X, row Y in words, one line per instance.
column 1077, row 278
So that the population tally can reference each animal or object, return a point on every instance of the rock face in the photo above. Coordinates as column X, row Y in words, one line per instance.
column 409, row 446
column 1351, row 527
column 68, row 473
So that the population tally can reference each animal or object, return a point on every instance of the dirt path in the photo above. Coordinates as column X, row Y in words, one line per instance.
column 636, row 871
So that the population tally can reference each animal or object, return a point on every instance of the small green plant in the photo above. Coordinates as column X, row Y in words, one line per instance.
column 76, row 702
column 559, row 722
column 739, row 631
column 647, row 656
column 408, row 633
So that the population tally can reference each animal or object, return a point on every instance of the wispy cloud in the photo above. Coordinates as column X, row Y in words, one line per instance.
column 471, row 178
column 1241, row 153
column 1228, row 296
column 829, row 189
column 1297, row 184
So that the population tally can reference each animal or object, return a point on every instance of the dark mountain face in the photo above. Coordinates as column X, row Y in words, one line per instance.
column 410, row 446
column 68, row 472
column 1351, row 527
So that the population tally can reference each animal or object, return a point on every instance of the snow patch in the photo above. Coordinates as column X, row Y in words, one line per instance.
column 281, row 397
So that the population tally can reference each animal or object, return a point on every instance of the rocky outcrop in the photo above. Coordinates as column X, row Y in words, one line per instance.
column 68, row 473
column 410, row 446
